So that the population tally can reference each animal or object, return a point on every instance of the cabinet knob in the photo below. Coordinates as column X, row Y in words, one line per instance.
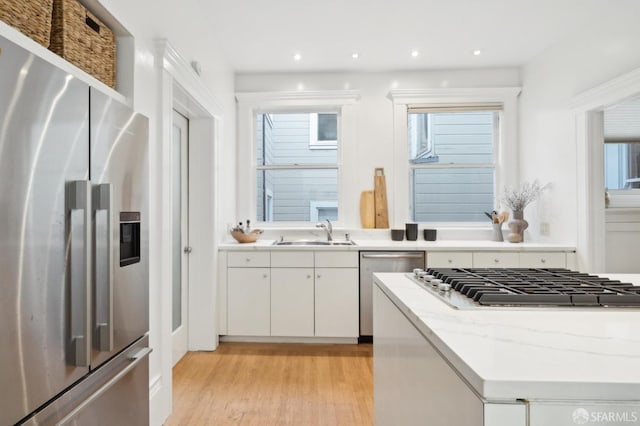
column 450, row 260
column 496, row 260
column 248, row 259
column 319, row 276
column 265, row 276
column 308, row 276
column 543, row 260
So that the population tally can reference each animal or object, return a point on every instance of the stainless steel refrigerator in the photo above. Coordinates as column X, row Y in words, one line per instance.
column 73, row 250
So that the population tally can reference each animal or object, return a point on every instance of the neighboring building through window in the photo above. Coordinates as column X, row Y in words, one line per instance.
column 451, row 162
column 323, row 131
column 296, row 181
column 320, row 211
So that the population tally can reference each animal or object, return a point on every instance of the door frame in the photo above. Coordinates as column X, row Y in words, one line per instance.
column 588, row 112
column 180, row 88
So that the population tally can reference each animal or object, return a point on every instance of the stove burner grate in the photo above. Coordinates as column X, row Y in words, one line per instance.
column 537, row 287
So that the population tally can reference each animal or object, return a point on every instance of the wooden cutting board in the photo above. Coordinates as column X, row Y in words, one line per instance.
column 380, row 196
column 367, row 209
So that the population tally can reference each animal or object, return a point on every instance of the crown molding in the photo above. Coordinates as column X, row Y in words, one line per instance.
column 485, row 94
column 329, row 97
column 185, row 76
column 608, row 93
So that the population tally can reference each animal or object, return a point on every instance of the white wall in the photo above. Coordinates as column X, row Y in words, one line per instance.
column 189, row 33
column 595, row 55
column 375, row 146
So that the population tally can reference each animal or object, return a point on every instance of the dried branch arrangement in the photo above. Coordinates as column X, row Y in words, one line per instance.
column 517, row 198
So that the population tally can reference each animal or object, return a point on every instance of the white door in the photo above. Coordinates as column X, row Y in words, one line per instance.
column 179, row 235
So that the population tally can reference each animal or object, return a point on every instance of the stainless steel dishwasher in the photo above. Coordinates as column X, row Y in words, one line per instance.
column 381, row 261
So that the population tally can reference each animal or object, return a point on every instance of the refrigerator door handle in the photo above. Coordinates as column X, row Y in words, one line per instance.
column 103, row 264
column 135, row 358
column 78, row 202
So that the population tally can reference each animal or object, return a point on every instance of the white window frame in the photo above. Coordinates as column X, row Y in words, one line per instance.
column 314, row 143
column 505, row 149
column 250, row 104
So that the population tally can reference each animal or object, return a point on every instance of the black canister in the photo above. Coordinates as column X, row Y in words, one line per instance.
column 430, row 234
column 397, row 234
column 411, row 230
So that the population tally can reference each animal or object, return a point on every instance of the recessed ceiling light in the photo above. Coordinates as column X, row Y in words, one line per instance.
column 297, row 57
column 477, row 52
column 415, row 53
column 355, row 55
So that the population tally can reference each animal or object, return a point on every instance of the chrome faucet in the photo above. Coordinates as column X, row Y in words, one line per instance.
column 327, row 227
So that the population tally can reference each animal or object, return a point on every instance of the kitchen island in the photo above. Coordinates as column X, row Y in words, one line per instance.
column 437, row 365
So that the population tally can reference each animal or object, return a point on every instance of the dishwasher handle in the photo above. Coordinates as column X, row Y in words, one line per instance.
column 393, row 256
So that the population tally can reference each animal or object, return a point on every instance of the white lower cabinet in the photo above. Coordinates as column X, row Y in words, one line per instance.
column 336, row 302
column 449, row 259
column 543, row 260
column 292, row 298
column 292, row 302
column 495, row 259
column 248, row 299
column 490, row 259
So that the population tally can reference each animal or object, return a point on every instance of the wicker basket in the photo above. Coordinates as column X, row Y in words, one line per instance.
column 31, row 17
column 82, row 39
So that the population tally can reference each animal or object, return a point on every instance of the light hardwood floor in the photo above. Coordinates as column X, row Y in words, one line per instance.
column 274, row 384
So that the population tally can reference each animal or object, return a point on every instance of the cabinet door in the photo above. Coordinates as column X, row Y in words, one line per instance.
column 543, row 260
column 337, row 302
column 292, row 302
column 495, row 259
column 248, row 295
column 446, row 259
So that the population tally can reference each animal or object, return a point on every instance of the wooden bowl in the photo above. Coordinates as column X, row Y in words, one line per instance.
column 251, row 237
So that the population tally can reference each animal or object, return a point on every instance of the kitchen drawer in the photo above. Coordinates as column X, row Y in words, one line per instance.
column 336, row 259
column 543, row 260
column 292, row 259
column 495, row 259
column 449, row 259
column 249, row 259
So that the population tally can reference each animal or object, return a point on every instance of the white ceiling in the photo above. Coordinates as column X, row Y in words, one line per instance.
column 261, row 36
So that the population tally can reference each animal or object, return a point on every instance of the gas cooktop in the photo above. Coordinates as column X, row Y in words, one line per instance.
column 465, row 288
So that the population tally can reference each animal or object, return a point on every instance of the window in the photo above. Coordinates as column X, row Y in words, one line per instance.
column 323, row 131
column 451, row 162
column 294, row 181
column 622, row 166
column 453, row 149
column 622, row 153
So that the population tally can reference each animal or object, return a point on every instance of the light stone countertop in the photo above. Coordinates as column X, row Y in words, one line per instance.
column 442, row 245
column 535, row 353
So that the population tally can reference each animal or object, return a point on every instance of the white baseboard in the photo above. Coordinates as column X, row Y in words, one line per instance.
column 158, row 414
column 270, row 339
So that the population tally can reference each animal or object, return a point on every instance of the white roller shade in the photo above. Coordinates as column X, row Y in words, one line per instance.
column 622, row 123
column 426, row 109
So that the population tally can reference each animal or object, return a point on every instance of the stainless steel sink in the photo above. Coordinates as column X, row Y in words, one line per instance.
column 314, row 243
